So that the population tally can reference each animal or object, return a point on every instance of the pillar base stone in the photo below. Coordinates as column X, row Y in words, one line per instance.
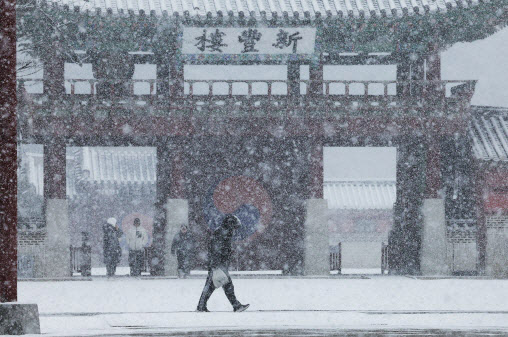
column 19, row 319
column 57, row 261
column 497, row 252
column 433, row 257
column 316, row 243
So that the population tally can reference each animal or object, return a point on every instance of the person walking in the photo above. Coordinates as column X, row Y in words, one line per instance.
column 111, row 246
column 219, row 256
column 137, row 238
column 183, row 247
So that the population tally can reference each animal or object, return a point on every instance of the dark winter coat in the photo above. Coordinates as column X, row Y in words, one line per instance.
column 112, row 250
column 183, row 243
column 220, row 246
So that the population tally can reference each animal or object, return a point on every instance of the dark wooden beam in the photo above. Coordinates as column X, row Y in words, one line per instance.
column 133, row 57
column 247, row 59
column 143, row 129
column 358, row 59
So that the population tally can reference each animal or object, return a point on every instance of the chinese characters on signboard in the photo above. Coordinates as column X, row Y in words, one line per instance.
column 248, row 40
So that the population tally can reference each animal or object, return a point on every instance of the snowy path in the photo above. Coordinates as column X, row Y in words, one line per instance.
column 125, row 306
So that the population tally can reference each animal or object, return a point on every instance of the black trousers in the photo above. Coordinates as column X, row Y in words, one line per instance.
column 209, row 288
column 110, row 269
column 182, row 262
column 136, row 260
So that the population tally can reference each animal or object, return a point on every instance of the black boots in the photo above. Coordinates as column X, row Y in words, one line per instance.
column 238, row 308
column 241, row 307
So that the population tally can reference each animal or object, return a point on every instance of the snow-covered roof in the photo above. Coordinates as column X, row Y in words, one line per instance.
column 120, row 165
column 258, row 8
column 360, row 194
column 489, row 131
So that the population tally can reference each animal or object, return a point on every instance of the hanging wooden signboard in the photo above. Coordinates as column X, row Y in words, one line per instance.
column 248, row 40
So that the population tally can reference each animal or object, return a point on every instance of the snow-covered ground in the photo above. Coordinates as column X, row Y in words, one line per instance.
column 126, row 305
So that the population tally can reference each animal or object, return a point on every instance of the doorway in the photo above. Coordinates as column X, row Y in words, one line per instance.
column 109, row 182
column 360, row 187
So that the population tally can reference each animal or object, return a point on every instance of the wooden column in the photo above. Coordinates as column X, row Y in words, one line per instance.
column 316, row 169
column 293, row 78
column 54, row 170
column 433, row 61
column 177, row 165
column 410, row 72
column 433, row 73
column 316, row 77
column 163, row 178
column 8, row 156
column 417, row 76
column 433, row 169
column 162, row 76
column 163, row 171
column 403, row 76
column 53, row 72
column 481, row 218
column 176, row 68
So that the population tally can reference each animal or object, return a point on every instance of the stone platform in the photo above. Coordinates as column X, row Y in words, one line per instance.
column 19, row 319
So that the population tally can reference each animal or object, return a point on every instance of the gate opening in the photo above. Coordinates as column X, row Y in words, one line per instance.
column 103, row 183
column 360, row 187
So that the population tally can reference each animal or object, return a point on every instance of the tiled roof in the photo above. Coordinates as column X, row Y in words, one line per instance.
column 120, row 165
column 360, row 194
column 258, row 8
column 489, row 131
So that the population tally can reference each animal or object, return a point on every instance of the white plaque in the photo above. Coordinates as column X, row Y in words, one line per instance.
column 248, row 40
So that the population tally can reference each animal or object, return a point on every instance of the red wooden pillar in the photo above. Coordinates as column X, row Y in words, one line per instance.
column 433, row 63
column 177, row 166
column 316, row 77
column 433, row 73
column 53, row 72
column 293, row 68
column 54, row 170
column 316, row 169
column 162, row 76
column 163, row 171
column 8, row 155
column 481, row 218
column 433, row 169
column 176, row 72
column 403, row 76
column 162, row 191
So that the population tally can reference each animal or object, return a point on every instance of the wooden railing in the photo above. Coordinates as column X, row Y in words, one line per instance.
column 250, row 96
column 81, row 260
column 329, row 87
column 336, row 259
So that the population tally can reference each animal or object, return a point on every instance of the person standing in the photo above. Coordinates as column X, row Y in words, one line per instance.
column 137, row 238
column 219, row 256
column 183, row 247
column 111, row 246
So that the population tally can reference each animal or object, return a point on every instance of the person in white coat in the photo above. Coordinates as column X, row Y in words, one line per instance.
column 137, row 238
